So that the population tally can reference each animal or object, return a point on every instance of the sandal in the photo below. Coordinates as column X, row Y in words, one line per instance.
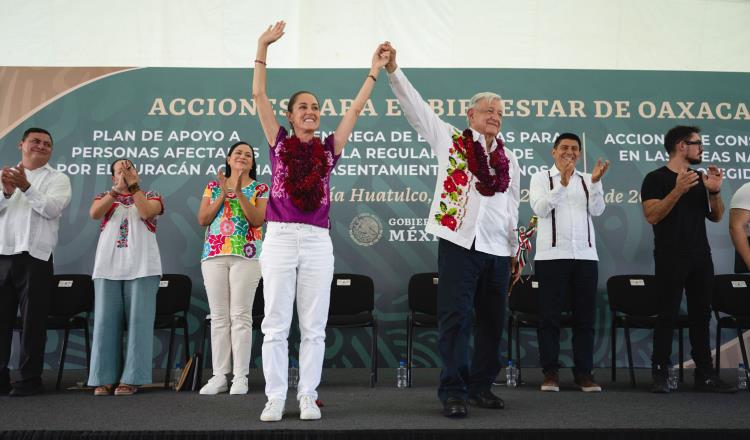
column 103, row 390
column 126, row 390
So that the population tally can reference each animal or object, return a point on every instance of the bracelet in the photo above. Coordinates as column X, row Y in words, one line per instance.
column 260, row 62
column 373, row 77
column 712, row 193
column 134, row 188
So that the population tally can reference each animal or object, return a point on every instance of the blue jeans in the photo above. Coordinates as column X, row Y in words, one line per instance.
column 471, row 283
column 117, row 302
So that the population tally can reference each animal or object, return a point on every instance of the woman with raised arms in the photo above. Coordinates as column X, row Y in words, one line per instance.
column 297, row 260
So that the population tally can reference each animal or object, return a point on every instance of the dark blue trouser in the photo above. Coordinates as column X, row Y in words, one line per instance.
column 557, row 280
column 469, row 281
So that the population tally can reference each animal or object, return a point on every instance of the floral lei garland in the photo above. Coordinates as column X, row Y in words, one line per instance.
column 476, row 158
column 306, row 169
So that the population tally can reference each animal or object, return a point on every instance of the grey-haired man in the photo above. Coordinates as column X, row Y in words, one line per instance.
column 474, row 213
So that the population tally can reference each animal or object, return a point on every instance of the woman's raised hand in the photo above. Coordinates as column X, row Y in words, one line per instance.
column 272, row 34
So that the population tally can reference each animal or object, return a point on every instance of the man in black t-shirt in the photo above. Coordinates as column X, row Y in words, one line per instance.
column 676, row 201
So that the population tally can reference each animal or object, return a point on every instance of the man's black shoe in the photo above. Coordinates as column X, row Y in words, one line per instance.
column 660, row 386
column 26, row 388
column 454, row 407
column 485, row 399
column 712, row 384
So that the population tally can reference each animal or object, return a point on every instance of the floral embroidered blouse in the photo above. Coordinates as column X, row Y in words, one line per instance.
column 230, row 233
column 127, row 247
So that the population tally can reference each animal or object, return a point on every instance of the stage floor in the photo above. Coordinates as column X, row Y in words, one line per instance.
column 351, row 406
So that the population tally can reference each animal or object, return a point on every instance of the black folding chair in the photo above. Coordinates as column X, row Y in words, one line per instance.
column 731, row 298
column 258, row 314
column 523, row 305
column 72, row 301
column 422, row 295
column 172, row 306
column 632, row 300
column 352, row 306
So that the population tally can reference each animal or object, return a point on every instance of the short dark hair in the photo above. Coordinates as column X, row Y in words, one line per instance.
column 571, row 136
column 253, row 172
column 36, row 130
column 112, row 165
column 677, row 134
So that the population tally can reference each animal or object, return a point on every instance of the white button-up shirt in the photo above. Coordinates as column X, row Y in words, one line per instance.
column 466, row 217
column 29, row 221
column 573, row 214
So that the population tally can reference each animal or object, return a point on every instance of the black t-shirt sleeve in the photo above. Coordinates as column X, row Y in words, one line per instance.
column 652, row 187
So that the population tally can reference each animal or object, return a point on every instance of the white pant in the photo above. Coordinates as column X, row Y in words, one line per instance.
column 297, row 260
column 230, row 287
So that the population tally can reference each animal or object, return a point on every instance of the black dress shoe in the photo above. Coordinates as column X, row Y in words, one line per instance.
column 26, row 388
column 454, row 407
column 485, row 399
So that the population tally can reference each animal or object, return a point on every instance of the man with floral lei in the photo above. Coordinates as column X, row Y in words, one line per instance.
column 297, row 258
column 474, row 213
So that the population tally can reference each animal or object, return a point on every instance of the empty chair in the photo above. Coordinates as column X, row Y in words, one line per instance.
column 731, row 304
column 352, row 306
column 172, row 307
column 72, row 301
column 422, row 295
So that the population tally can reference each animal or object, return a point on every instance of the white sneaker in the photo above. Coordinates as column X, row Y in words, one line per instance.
column 308, row 409
column 274, row 411
column 239, row 385
column 215, row 385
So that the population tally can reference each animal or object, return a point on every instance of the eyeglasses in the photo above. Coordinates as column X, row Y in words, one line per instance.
column 698, row 143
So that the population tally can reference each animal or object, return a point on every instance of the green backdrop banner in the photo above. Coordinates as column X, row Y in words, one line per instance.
column 176, row 125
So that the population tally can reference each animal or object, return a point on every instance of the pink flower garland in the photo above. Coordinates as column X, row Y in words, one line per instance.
column 306, row 169
column 476, row 158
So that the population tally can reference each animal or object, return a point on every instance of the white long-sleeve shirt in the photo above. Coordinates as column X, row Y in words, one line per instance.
column 488, row 222
column 573, row 226
column 29, row 221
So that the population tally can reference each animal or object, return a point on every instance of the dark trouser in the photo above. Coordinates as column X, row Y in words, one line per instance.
column 557, row 280
column 24, row 281
column 694, row 274
column 469, row 281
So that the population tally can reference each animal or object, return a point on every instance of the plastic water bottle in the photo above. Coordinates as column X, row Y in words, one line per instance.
column 741, row 377
column 176, row 374
column 673, row 377
column 401, row 381
column 293, row 374
column 511, row 375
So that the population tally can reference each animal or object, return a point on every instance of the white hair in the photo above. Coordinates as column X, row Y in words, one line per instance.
column 489, row 96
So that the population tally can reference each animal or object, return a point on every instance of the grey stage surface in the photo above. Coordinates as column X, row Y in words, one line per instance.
column 349, row 404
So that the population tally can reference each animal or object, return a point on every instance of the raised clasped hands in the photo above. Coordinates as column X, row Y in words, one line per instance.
column 381, row 57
